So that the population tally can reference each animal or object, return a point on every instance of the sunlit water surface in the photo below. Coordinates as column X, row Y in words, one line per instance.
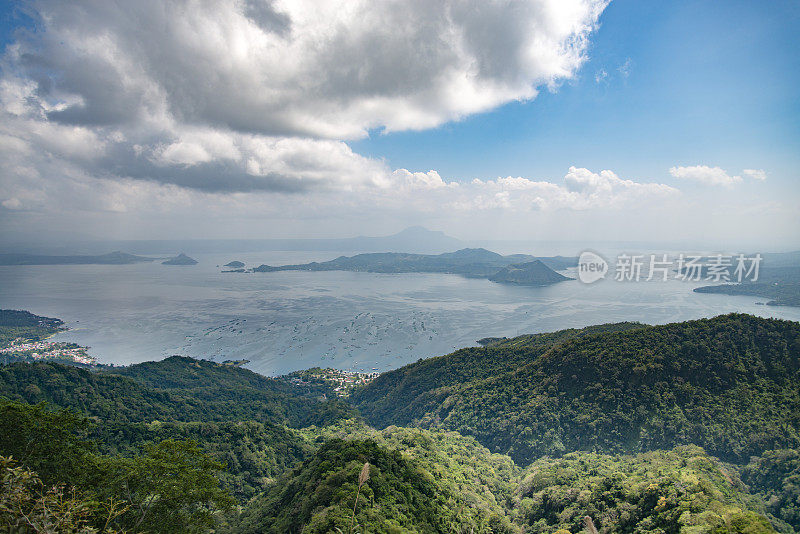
column 285, row 321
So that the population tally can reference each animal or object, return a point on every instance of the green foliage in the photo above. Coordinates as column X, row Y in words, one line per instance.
column 730, row 384
column 775, row 476
column 171, row 486
column 238, row 393
column 254, row 453
column 402, row 395
column 154, row 447
column 51, row 443
column 175, row 389
column 236, row 414
column 28, row 506
column 682, row 490
column 317, row 497
column 481, row 482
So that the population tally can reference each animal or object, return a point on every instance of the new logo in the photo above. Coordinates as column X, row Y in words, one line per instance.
column 591, row 267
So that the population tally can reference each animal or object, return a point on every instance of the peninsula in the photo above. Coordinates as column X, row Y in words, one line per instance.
column 519, row 269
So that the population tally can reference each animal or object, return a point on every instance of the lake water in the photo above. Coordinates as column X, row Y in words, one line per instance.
column 286, row 321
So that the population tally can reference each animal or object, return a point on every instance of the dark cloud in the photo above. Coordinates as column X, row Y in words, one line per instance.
column 266, row 17
column 312, row 70
column 256, row 96
column 213, row 177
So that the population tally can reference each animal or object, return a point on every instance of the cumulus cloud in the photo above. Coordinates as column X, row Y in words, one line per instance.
column 582, row 190
column 262, row 95
column 705, row 174
column 165, row 110
column 755, row 174
column 715, row 175
column 324, row 69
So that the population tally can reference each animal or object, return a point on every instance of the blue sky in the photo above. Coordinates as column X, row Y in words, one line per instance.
column 269, row 118
column 709, row 82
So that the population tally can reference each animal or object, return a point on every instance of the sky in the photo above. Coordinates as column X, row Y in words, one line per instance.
column 575, row 120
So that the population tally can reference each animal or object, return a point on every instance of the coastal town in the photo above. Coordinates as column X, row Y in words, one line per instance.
column 341, row 382
column 22, row 349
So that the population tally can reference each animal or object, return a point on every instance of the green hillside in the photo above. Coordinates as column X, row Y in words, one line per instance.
column 394, row 396
column 175, row 389
column 423, row 481
column 319, row 496
column 525, row 435
column 25, row 325
column 730, row 384
column 254, row 454
column 680, row 490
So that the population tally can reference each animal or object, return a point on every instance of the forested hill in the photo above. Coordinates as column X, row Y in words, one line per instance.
column 204, row 376
column 174, row 389
column 203, row 436
column 470, row 262
column 392, row 397
column 730, row 384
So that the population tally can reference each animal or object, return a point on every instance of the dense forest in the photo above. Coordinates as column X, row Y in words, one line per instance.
column 729, row 384
column 689, row 427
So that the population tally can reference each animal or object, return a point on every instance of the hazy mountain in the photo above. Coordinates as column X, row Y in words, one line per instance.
column 414, row 239
column 112, row 258
column 471, row 262
column 778, row 280
column 180, row 259
column 532, row 273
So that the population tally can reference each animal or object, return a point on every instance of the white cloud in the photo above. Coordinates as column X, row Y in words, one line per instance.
column 408, row 180
column 582, row 190
column 242, row 109
column 626, row 68
column 328, row 69
column 755, row 174
column 715, row 175
column 260, row 95
column 705, row 174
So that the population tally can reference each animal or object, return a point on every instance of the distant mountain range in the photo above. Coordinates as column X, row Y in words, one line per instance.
column 112, row 258
column 414, row 239
column 470, row 262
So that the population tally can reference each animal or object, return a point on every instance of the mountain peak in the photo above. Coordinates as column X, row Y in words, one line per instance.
column 180, row 259
column 419, row 231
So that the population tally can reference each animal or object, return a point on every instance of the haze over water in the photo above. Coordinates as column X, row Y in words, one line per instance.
column 284, row 321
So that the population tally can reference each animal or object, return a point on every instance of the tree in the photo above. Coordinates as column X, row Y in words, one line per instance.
column 173, row 487
column 27, row 505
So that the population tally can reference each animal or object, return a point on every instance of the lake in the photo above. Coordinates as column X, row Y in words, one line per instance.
column 284, row 321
